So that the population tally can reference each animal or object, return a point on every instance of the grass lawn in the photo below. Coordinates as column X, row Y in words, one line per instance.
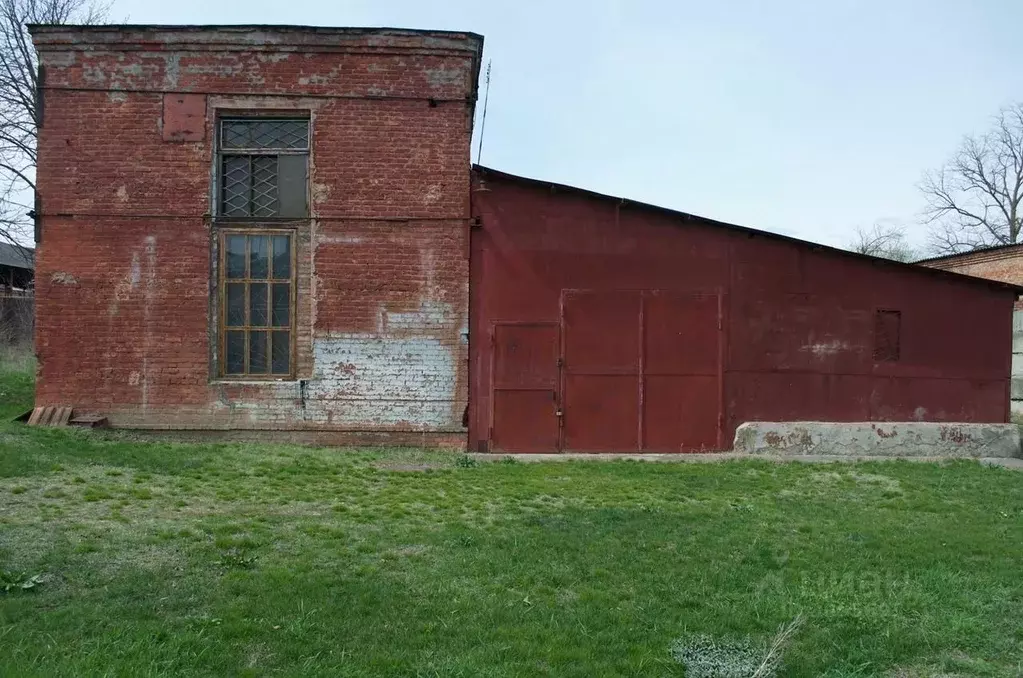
column 228, row 559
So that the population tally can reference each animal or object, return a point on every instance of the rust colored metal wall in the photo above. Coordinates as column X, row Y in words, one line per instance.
column 602, row 325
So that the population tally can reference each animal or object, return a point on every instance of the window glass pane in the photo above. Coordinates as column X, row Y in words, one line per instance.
column 292, row 178
column 234, row 352
column 257, row 305
column 281, row 304
column 281, row 352
column 235, row 312
column 257, row 352
column 264, row 186
column 259, row 257
column 282, row 256
column 235, row 189
column 235, row 256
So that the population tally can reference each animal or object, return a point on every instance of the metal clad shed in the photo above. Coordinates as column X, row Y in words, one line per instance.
column 16, row 265
column 600, row 324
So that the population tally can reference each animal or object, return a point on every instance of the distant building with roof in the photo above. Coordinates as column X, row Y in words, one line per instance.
column 17, row 303
column 1003, row 263
column 17, row 268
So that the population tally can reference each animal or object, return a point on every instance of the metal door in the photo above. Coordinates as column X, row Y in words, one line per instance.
column 524, row 415
column 641, row 371
column 682, row 379
column 601, row 370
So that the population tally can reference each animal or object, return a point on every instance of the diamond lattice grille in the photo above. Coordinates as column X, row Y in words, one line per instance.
column 265, row 134
column 264, row 186
column 236, row 178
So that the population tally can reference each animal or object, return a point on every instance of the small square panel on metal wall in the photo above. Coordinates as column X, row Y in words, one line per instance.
column 887, row 339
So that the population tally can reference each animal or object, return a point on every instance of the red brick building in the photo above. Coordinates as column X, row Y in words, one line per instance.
column 276, row 228
column 256, row 227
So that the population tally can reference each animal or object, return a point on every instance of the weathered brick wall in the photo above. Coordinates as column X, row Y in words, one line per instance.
column 126, row 264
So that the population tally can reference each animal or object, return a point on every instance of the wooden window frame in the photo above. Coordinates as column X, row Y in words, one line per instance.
column 222, row 328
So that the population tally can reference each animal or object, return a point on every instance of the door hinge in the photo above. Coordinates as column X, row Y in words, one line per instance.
column 475, row 222
column 560, row 362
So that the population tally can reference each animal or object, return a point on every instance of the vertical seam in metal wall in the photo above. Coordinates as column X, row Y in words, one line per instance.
column 724, row 351
column 562, row 370
column 493, row 384
column 722, row 341
column 642, row 370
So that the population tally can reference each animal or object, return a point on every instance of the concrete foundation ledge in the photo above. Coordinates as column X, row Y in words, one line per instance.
column 878, row 439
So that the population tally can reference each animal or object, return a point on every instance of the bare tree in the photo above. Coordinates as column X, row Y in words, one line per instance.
column 974, row 200
column 885, row 240
column 18, row 82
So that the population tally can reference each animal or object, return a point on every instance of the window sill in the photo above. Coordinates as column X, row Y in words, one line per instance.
column 244, row 381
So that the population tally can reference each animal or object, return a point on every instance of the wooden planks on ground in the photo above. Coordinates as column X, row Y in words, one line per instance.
column 50, row 416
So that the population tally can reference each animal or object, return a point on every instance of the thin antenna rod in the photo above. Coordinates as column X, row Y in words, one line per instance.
column 483, row 122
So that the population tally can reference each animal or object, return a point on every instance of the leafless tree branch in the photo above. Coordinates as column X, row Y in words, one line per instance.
column 18, row 88
column 884, row 240
column 974, row 200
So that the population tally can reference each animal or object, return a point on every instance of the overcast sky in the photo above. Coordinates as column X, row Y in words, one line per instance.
column 806, row 117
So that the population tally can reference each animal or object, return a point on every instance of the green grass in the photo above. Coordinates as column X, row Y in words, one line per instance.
column 256, row 560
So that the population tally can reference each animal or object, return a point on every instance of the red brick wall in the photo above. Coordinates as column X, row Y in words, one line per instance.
column 124, row 266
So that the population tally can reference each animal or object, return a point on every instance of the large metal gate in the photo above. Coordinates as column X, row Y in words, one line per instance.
column 623, row 371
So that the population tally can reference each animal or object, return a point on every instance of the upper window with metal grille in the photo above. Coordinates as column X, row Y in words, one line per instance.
column 263, row 168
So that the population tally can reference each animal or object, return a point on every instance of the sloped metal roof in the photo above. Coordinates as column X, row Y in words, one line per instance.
column 17, row 256
column 485, row 172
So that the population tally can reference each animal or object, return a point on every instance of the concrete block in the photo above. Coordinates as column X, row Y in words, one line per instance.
column 1017, row 365
column 878, row 439
column 1016, row 388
